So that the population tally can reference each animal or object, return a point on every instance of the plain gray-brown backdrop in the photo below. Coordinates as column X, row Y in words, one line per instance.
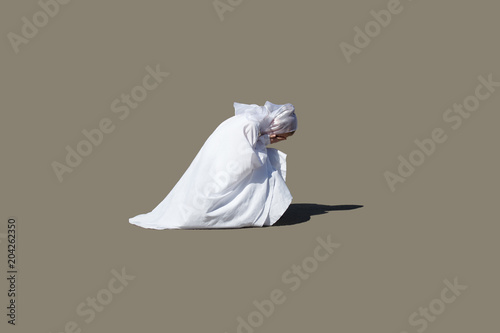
column 368, row 80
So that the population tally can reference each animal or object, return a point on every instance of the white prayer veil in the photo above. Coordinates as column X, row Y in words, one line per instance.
column 273, row 118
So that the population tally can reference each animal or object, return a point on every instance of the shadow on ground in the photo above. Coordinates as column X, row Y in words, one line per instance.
column 296, row 214
column 302, row 212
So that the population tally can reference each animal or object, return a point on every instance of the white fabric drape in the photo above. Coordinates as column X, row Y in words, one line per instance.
column 234, row 181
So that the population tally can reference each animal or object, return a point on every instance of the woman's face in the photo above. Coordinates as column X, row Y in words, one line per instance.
column 280, row 137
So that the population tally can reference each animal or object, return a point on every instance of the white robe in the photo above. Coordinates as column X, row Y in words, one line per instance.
column 234, row 181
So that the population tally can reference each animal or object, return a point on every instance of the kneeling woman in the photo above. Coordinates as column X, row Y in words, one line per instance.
column 234, row 181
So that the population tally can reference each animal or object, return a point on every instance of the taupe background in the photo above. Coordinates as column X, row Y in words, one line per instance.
column 354, row 121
